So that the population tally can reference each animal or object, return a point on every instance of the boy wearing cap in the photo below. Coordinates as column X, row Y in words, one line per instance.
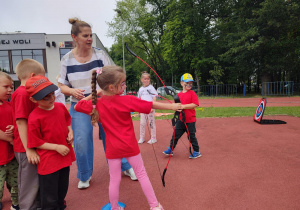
column 28, row 181
column 50, row 132
column 190, row 99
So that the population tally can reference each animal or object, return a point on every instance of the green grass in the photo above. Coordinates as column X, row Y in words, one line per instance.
column 235, row 112
column 246, row 111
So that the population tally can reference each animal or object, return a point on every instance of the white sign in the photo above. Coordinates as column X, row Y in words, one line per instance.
column 22, row 41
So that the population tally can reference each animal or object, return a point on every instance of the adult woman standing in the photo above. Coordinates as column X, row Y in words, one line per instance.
column 75, row 81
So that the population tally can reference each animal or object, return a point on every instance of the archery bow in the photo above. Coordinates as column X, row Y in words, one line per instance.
column 176, row 114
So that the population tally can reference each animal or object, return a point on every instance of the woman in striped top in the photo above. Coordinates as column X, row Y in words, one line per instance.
column 75, row 81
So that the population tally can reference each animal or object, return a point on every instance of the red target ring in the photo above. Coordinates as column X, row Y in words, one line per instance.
column 260, row 110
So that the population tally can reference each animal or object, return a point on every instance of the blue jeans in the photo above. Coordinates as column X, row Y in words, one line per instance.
column 125, row 165
column 83, row 143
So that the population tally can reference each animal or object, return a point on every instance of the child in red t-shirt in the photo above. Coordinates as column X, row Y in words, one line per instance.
column 8, row 162
column 114, row 113
column 28, row 180
column 50, row 132
column 190, row 100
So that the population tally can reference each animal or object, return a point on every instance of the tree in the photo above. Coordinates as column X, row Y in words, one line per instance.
column 144, row 28
column 249, row 40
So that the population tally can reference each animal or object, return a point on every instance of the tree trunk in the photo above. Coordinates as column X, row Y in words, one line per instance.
column 198, row 84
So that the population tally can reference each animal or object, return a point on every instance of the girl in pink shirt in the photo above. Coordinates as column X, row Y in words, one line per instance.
column 113, row 110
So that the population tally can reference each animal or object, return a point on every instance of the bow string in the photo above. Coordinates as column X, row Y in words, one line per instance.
column 176, row 114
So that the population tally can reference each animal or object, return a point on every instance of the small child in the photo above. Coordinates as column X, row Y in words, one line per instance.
column 50, row 132
column 190, row 101
column 148, row 93
column 28, row 181
column 8, row 162
column 114, row 113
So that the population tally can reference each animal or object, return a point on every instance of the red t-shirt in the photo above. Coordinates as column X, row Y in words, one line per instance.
column 22, row 107
column 50, row 126
column 6, row 151
column 188, row 98
column 114, row 114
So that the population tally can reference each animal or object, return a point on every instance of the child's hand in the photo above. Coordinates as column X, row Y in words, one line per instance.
column 70, row 137
column 32, row 156
column 10, row 130
column 184, row 106
column 177, row 107
column 12, row 140
column 62, row 149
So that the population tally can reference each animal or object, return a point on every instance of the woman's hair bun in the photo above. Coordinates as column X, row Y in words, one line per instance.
column 73, row 20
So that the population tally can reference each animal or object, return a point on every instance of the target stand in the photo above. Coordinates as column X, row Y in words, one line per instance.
column 258, row 116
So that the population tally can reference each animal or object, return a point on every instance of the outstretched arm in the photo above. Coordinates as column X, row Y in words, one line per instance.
column 190, row 106
column 89, row 97
column 167, row 106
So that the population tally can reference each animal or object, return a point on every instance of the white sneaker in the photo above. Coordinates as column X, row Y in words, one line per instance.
column 141, row 141
column 159, row 207
column 131, row 174
column 152, row 141
column 84, row 184
column 13, row 207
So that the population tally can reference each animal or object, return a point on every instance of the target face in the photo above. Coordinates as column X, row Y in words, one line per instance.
column 260, row 110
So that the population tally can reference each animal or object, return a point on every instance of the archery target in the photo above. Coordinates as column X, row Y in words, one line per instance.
column 260, row 110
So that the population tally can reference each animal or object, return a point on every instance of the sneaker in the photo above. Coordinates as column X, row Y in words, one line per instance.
column 141, row 141
column 168, row 151
column 131, row 174
column 195, row 155
column 84, row 184
column 152, row 141
column 13, row 207
column 121, row 208
column 159, row 207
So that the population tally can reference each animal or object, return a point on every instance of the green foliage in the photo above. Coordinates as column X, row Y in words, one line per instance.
column 250, row 40
column 216, row 74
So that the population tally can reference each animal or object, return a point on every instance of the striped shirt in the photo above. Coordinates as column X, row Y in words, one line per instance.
column 78, row 75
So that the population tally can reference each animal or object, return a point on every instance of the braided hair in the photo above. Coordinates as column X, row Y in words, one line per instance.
column 109, row 75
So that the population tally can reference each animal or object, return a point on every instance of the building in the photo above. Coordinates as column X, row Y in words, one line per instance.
column 48, row 49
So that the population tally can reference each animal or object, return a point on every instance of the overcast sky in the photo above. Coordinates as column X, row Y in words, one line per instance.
column 51, row 16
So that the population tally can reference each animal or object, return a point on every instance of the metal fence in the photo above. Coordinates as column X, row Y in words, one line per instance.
column 218, row 90
column 296, row 89
column 282, row 88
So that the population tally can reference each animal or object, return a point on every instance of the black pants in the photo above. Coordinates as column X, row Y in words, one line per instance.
column 54, row 188
column 180, row 129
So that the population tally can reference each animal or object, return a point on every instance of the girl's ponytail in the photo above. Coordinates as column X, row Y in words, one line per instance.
column 94, row 114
